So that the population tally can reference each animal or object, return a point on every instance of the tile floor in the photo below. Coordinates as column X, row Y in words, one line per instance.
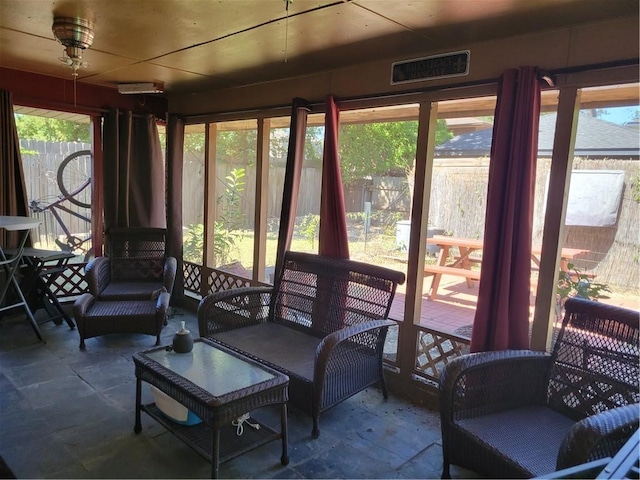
column 66, row 413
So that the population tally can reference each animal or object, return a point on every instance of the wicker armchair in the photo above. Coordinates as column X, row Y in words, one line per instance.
column 519, row 414
column 136, row 266
column 323, row 323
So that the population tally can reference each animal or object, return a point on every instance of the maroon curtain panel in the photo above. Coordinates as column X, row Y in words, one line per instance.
column 175, row 155
column 133, row 172
column 13, row 191
column 295, row 157
column 502, row 316
column 333, row 239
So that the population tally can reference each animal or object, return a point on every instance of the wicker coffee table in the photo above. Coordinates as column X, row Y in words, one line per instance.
column 219, row 386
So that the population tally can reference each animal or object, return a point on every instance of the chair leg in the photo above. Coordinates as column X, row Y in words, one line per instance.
column 445, row 464
column 315, row 433
column 383, row 384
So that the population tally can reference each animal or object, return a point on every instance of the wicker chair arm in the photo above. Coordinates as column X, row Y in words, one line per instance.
column 330, row 357
column 169, row 273
column 82, row 304
column 231, row 309
column 598, row 436
column 488, row 382
column 162, row 304
column 98, row 275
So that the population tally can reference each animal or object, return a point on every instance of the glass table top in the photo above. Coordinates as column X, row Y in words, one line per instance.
column 211, row 369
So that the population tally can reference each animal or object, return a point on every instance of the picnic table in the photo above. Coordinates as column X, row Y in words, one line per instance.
column 464, row 261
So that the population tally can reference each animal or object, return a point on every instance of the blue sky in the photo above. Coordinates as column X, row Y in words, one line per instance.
column 620, row 115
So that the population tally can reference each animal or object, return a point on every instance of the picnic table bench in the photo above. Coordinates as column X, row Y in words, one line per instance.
column 464, row 262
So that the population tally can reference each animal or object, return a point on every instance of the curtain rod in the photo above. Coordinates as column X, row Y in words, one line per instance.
column 55, row 105
column 493, row 81
column 75, row 109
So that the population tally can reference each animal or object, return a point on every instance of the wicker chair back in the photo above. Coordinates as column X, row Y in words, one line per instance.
column 596, row 360
column 323, row 294
column 136, row 253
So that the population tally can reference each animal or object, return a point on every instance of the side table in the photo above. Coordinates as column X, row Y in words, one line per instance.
column 42, row 269
column 219, row 386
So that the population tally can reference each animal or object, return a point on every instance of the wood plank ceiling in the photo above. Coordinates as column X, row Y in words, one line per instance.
column 191, row 45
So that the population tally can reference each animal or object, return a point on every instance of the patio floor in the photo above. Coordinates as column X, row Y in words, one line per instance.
column 454, row 308
column 65, row 413
column 451, row 312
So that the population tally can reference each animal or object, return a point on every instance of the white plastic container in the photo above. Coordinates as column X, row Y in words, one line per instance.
column 173, row 409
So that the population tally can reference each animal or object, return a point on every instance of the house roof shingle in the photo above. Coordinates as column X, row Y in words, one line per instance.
column 595, row 138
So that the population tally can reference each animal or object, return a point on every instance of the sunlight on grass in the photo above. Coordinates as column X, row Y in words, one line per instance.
column 377, row 249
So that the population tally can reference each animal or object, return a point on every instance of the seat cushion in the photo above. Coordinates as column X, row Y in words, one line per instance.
column 530, row 436
column 291, row 350
column 131, row 290
column 133, row 310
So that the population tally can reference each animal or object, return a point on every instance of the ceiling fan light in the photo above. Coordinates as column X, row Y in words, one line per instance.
column 76, row 35
column 73, row 32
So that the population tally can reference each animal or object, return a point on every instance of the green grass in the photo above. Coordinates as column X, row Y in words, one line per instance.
column 378, row 250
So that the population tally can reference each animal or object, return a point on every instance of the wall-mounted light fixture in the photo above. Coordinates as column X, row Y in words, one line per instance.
column 141, row 87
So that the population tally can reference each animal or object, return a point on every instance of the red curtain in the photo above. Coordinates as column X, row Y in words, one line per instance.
column 295, row 157
column 134, row 172
column 333, row 239
column 13, row 192
column 502, row 316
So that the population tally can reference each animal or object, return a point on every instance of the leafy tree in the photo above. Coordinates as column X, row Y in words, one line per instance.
column 381, row 148
column 51, row 129
column 231, row 200
column 313, row 145
column 237, row 146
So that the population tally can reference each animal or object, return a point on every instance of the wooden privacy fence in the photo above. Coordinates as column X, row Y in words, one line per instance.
column 457, row 202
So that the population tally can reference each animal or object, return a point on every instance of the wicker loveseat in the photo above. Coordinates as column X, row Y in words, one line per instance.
column 518, row 414
column 136, row 265
column 323, row 323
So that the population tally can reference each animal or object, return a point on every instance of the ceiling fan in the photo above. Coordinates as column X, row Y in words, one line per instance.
column 76, row 35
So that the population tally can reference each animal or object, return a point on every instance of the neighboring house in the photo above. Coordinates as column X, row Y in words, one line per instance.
column 596, row 138
column 463, row 125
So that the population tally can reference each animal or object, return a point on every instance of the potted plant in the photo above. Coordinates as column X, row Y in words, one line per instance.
column 575, row 283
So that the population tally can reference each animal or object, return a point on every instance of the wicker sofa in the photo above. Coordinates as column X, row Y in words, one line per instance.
column 519, row 414
column 323, row 323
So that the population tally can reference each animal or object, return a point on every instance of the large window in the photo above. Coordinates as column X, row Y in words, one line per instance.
column 603, row 206
column 377, row 150
column 235, row 178
column 56, row 157
column 457, row 207
column 193, row 194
